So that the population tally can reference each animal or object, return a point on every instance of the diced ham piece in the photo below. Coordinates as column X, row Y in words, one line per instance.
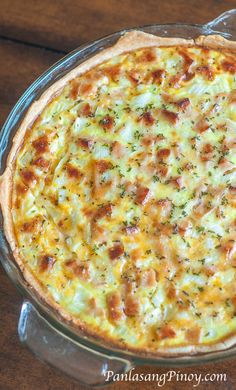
column 132, row 229
column 113, row 71
column 193, row 335
column 163, row 154
column 183, row 227
column 114, row 305
column 206, row 71
column 164, row 207
column 85, row 143
column 171, row 292
column 132, row 305
column 86, row 110
column 147, row 118
column 41, row 162
column 229, row 248
column 134, row 76
column 116, row 251
column 82, row 270
column 177, row 182
column 150, row 140
column 107, row 122
column 142, row 195
column 225, row 165
column 234, row 301
column 147, row 55
column 73, row 172
column 79, row 269
column 103, row 211
column 21, row 189
column 74, row 89
column 41, row 144
column 94, row 309
column 46, row 262
column 207, row 152
column 148, row 278
column 103, row 165
column 166, row 332
column 162, row 170
column 202, row 125
column 118, row 149
column 183, row 103
column 28, row 177
column 170, row 116
column 32, row 226
column 229, row 66
column 156, row 76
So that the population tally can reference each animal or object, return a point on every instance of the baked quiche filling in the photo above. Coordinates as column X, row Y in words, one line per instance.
column 123, row 198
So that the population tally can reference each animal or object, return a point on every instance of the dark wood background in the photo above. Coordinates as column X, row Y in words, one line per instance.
column 33, row 35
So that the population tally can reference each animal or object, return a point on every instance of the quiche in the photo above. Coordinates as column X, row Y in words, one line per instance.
column 118, row 197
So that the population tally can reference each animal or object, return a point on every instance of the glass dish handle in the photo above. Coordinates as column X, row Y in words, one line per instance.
column 85, row 365
column 225, row 24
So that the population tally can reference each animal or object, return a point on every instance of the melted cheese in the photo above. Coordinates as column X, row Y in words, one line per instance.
column 124, row 198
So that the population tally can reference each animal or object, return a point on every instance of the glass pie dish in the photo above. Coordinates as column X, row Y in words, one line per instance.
column 59, row 343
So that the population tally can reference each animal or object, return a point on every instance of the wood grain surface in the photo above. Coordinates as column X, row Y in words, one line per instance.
column 33, row 35
column 65, row 24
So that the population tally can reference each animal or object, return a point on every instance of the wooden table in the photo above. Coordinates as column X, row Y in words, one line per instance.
column 33, row 35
